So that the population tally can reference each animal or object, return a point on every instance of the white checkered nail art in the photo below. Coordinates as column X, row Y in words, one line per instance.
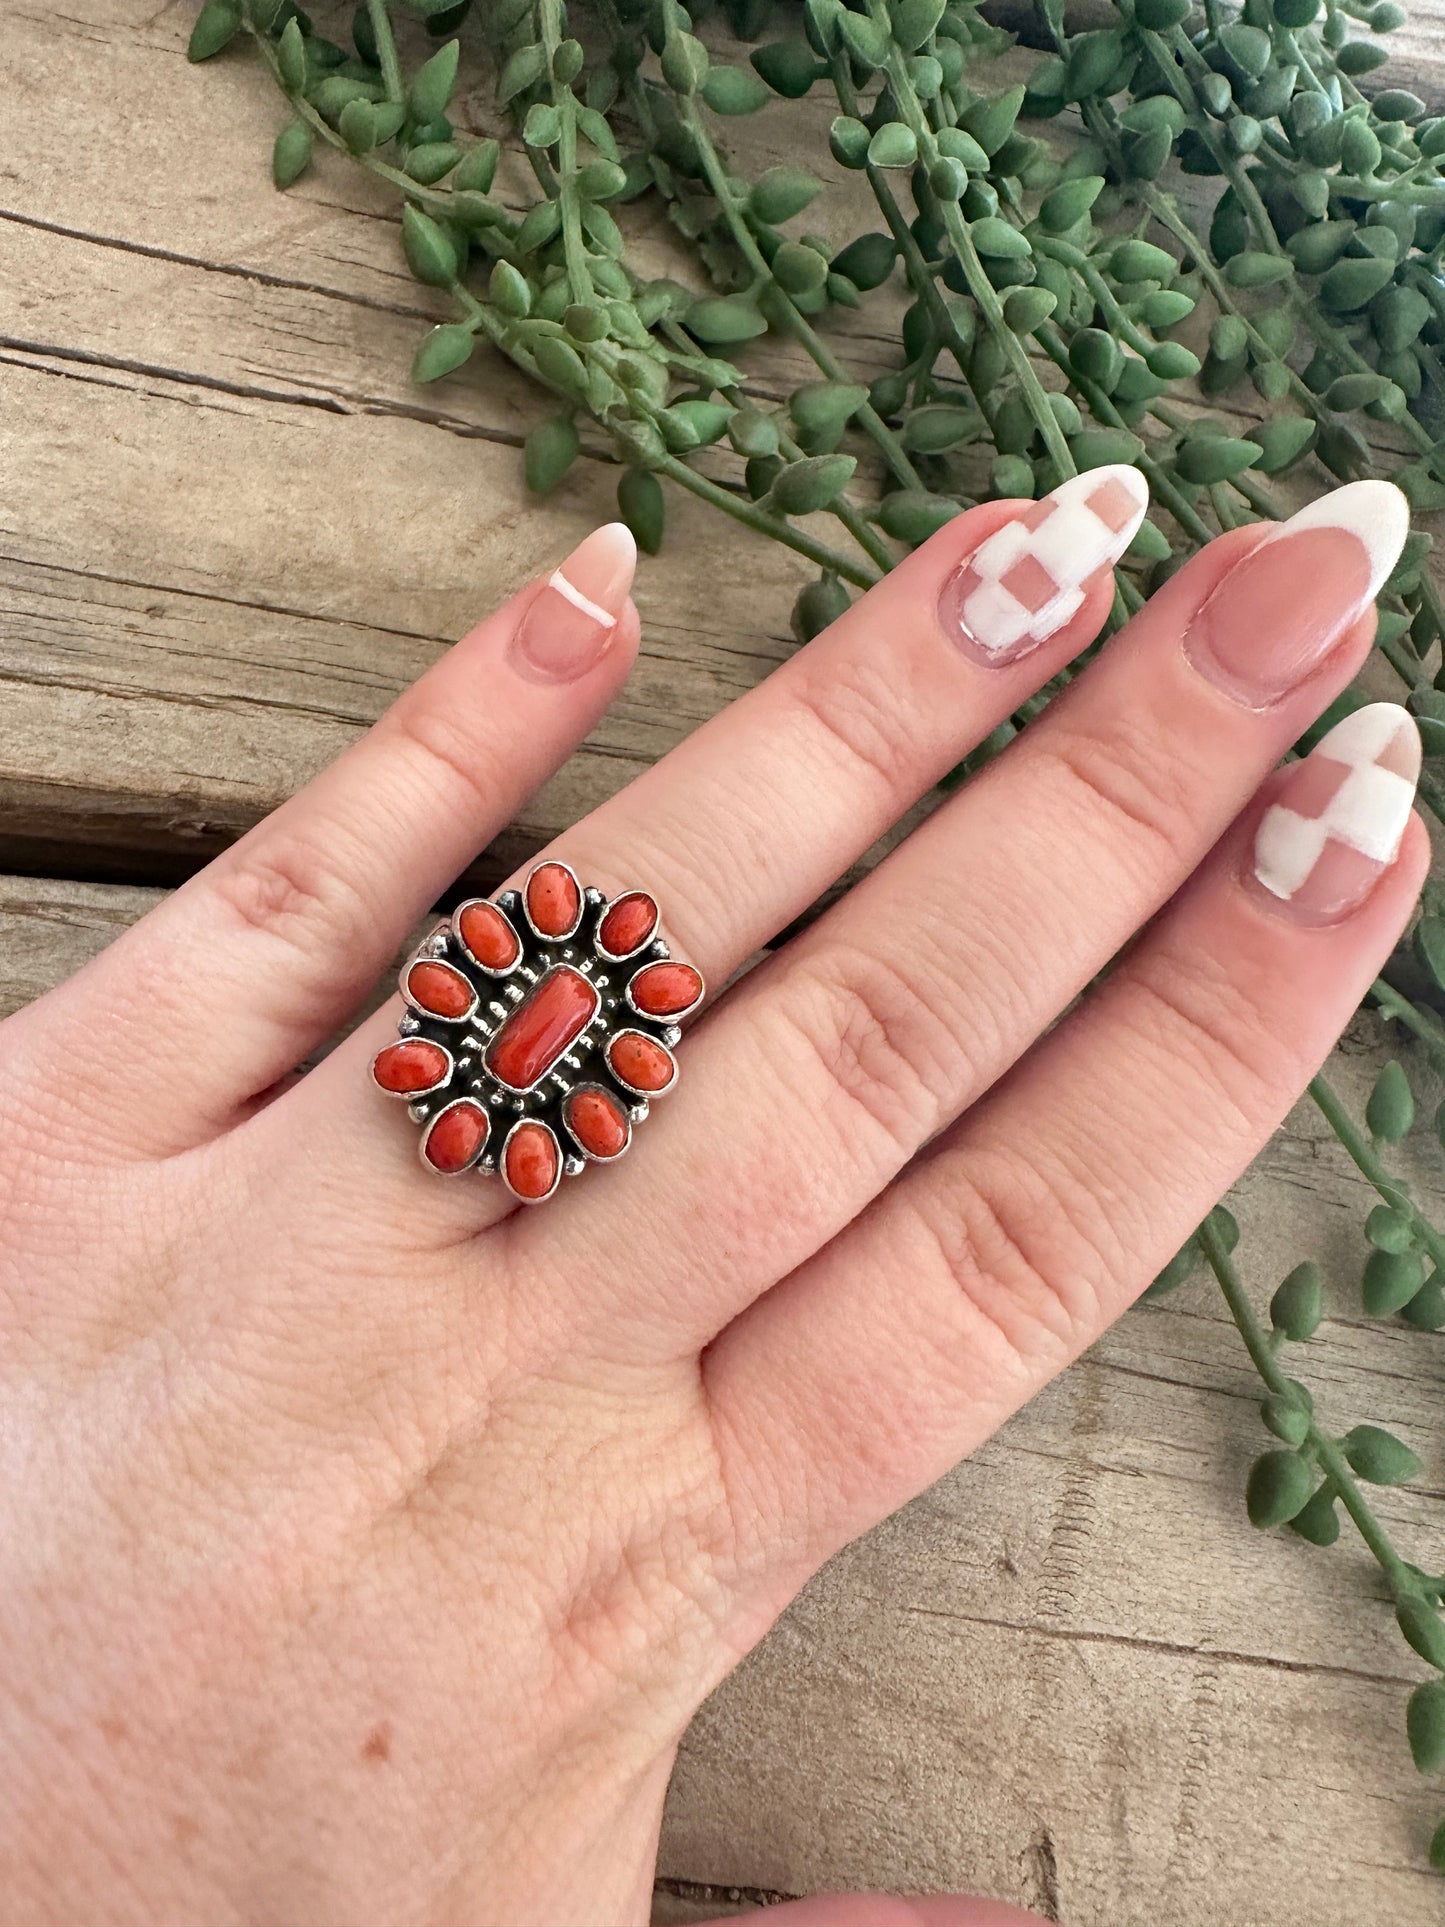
column 1339, row 817
column 1030, row 576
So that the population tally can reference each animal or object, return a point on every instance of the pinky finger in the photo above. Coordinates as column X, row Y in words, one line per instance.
column 1039, row 1217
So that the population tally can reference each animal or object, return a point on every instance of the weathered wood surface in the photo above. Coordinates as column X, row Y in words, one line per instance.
column 1070, row 1674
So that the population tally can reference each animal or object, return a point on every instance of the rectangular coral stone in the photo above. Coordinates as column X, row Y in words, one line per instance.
column 543, row 1028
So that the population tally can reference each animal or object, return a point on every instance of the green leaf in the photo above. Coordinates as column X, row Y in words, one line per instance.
column 1025, row 309
column 540, row 224
column 957, row 145
column 1102, row 447
column 788, row 66
column 813, row 483
column 291, row 155
column 357, row 126
column 915, row 21
column 864, row 38
column 508, row 291
column 1097, row 357
column 1391, row 1279
column 523, row 69
column 996, row 239
column 217, row 25
column 781, row 192
column 912, row 515
column 799, row 270
column 442, row 351
column 429, row 253
column 1207, row 459
column 938, row 426
column 991, row 120
column 1282, row 442
column 1397, row 315
column 1425, row 1726
column 1172, row 361
column 848, row 141
column 1012, row 476
column 543, row 125
column 1158, row 16
column 1063, row 207
column 724, row 319
column 1421, row 1624
column 1390, row 1109
column 641, row 505
column 1286, row 1418
column 1349, row 285
column 894, row 145
column 1250, row 48
column 549, row 451
column 706, row 419
column 868, row 261
column 733, row 90
column 560, row 364
column 684, row 63
column 432, row 161
column 291, row 56
column 1390, row 1229
column 1397, row 103
column 818, row 604
column 1299, row 1304
column 1426, row 1310
column 431, row 87
column 1279, row 1486
column 823, row 409
column 752, row 433
column 1141, row 261
column 1378, row 1456
column 1317, row 1521
column 1316, row 248
column 1256, row 270
column 478, row 168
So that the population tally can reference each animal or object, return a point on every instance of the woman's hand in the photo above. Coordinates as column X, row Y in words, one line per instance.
column 368, row 1542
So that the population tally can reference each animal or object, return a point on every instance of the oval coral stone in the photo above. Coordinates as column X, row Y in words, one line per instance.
column 488, row 936
column 411, row 1066
column 628, row 924
column 531, row 1159
column 455, row 1140
column 597, row 1121
column 665, row 989
column 641, row 1062
column 440, row 989
column 554, row 900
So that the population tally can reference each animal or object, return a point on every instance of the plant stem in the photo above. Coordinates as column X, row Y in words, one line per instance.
column 1325, row 1448
column 1369, row 1166
column 386, row 53
column 742, row 510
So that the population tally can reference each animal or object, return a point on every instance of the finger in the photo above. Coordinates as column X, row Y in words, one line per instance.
column 218, row 993
column 747, row 822
column 1039, row 1217
column 869, row 1033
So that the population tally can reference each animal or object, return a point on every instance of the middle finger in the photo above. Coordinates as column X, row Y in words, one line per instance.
column 833, row 1064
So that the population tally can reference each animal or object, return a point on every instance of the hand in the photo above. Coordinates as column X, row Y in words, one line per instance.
column 368, row 1542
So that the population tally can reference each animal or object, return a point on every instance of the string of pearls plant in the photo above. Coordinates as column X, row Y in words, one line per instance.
column 1048, row 285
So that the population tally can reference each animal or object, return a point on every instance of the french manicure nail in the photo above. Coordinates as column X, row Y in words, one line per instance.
column 1337, row 821
column 571, row 619
column 1282, row 609
column 1022, row 584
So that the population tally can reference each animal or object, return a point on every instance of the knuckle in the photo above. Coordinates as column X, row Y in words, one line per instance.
column 884, row 1051
column 1216, row 1035
column 1020, row 1256
column 855, row 708
column 1133, row 776
column 448, row 755
column 290, row 888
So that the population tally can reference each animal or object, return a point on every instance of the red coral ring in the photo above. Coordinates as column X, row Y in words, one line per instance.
column 538, row 1030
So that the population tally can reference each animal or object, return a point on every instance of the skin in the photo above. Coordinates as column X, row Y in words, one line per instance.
column 368, row 1543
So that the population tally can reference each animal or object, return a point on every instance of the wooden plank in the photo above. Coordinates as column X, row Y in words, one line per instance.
column 1070, row 1674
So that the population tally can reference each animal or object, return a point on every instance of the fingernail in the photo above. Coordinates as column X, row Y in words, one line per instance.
column 1278, row 613
column 571, row 619
column 1336, row 823
column 1023, row 583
